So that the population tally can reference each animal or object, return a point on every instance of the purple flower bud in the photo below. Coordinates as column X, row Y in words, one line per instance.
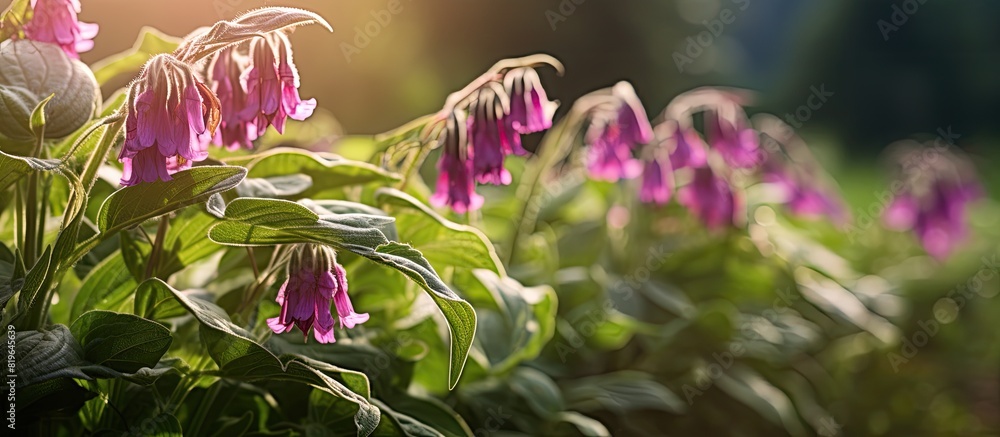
column 490, row 140
column 530, row 108
column 733, row 139
column 614, row 134
column 657, row 181
column 272, row 85
column 54, row 21
column 455, row 185
column 236, row 129
column 314, row 280
column 711, row 199
column 170, row 118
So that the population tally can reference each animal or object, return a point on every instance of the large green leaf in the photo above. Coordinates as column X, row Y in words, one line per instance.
column 514, row 322
column 442, row 241
column 123, row 342
column 131, row 206
column 620, row 393
column 150, row 42
column 257, row 222
column 107, row 287
column 328, row 172
column 240, row 357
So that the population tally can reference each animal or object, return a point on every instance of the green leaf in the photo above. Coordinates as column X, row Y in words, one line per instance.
column 186, row 241
column 259, row 222
column 131, row 206
column 585, row 425
column 442, row 241
column 518, row 322
column 150, row 42
column 537, row 389
column 329, row 173
column 38, row 116
column 16, row 167
column 432, row 412
column 54, row 353
column 107, row 287
column 240, row 357
column 622, row 392
column 123, row 342
column 275, row 186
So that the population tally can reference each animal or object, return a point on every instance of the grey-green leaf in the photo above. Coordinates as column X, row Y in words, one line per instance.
column 131, row 206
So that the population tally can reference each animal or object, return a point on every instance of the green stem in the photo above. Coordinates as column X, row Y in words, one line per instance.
column 413, row 165
column 528, row 188
column 152, row 265
column 206, row 403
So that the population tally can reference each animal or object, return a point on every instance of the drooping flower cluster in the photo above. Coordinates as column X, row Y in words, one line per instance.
column 171, row 109
column 257, row 85
column 618, row 127
column 475, row 146
column 55, row 22
column 170, row 117
column 934, row 194
column 314, row 280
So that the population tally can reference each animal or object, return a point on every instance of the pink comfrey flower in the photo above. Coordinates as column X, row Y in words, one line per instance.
column 170, row 117
column 530, row 108
column 272, row 84
column 934, row 200
column 54, row 21
column 657, row 180
column 455, row 185
column 688, row 148
column 490, row 139
column 803, row 192
column 314, row 280
column 614, row 133
column 729, row 134
column 236, row 129
column 711, row 199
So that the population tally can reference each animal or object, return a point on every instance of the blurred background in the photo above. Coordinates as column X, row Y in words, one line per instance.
column 881, row 71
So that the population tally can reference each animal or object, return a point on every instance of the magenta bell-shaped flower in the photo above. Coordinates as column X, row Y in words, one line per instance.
column 54, row 21
column 688, row 148
column 731, row 136
column 711, row 199
column 657, row 180
column 455, row 185
column 934, row 200
column 530, row 108
column 272, row 84
column 170, row 118
column 803, row 194
column 613, row 135
column 490, row 139
column 236, row 128
column 314, row 280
